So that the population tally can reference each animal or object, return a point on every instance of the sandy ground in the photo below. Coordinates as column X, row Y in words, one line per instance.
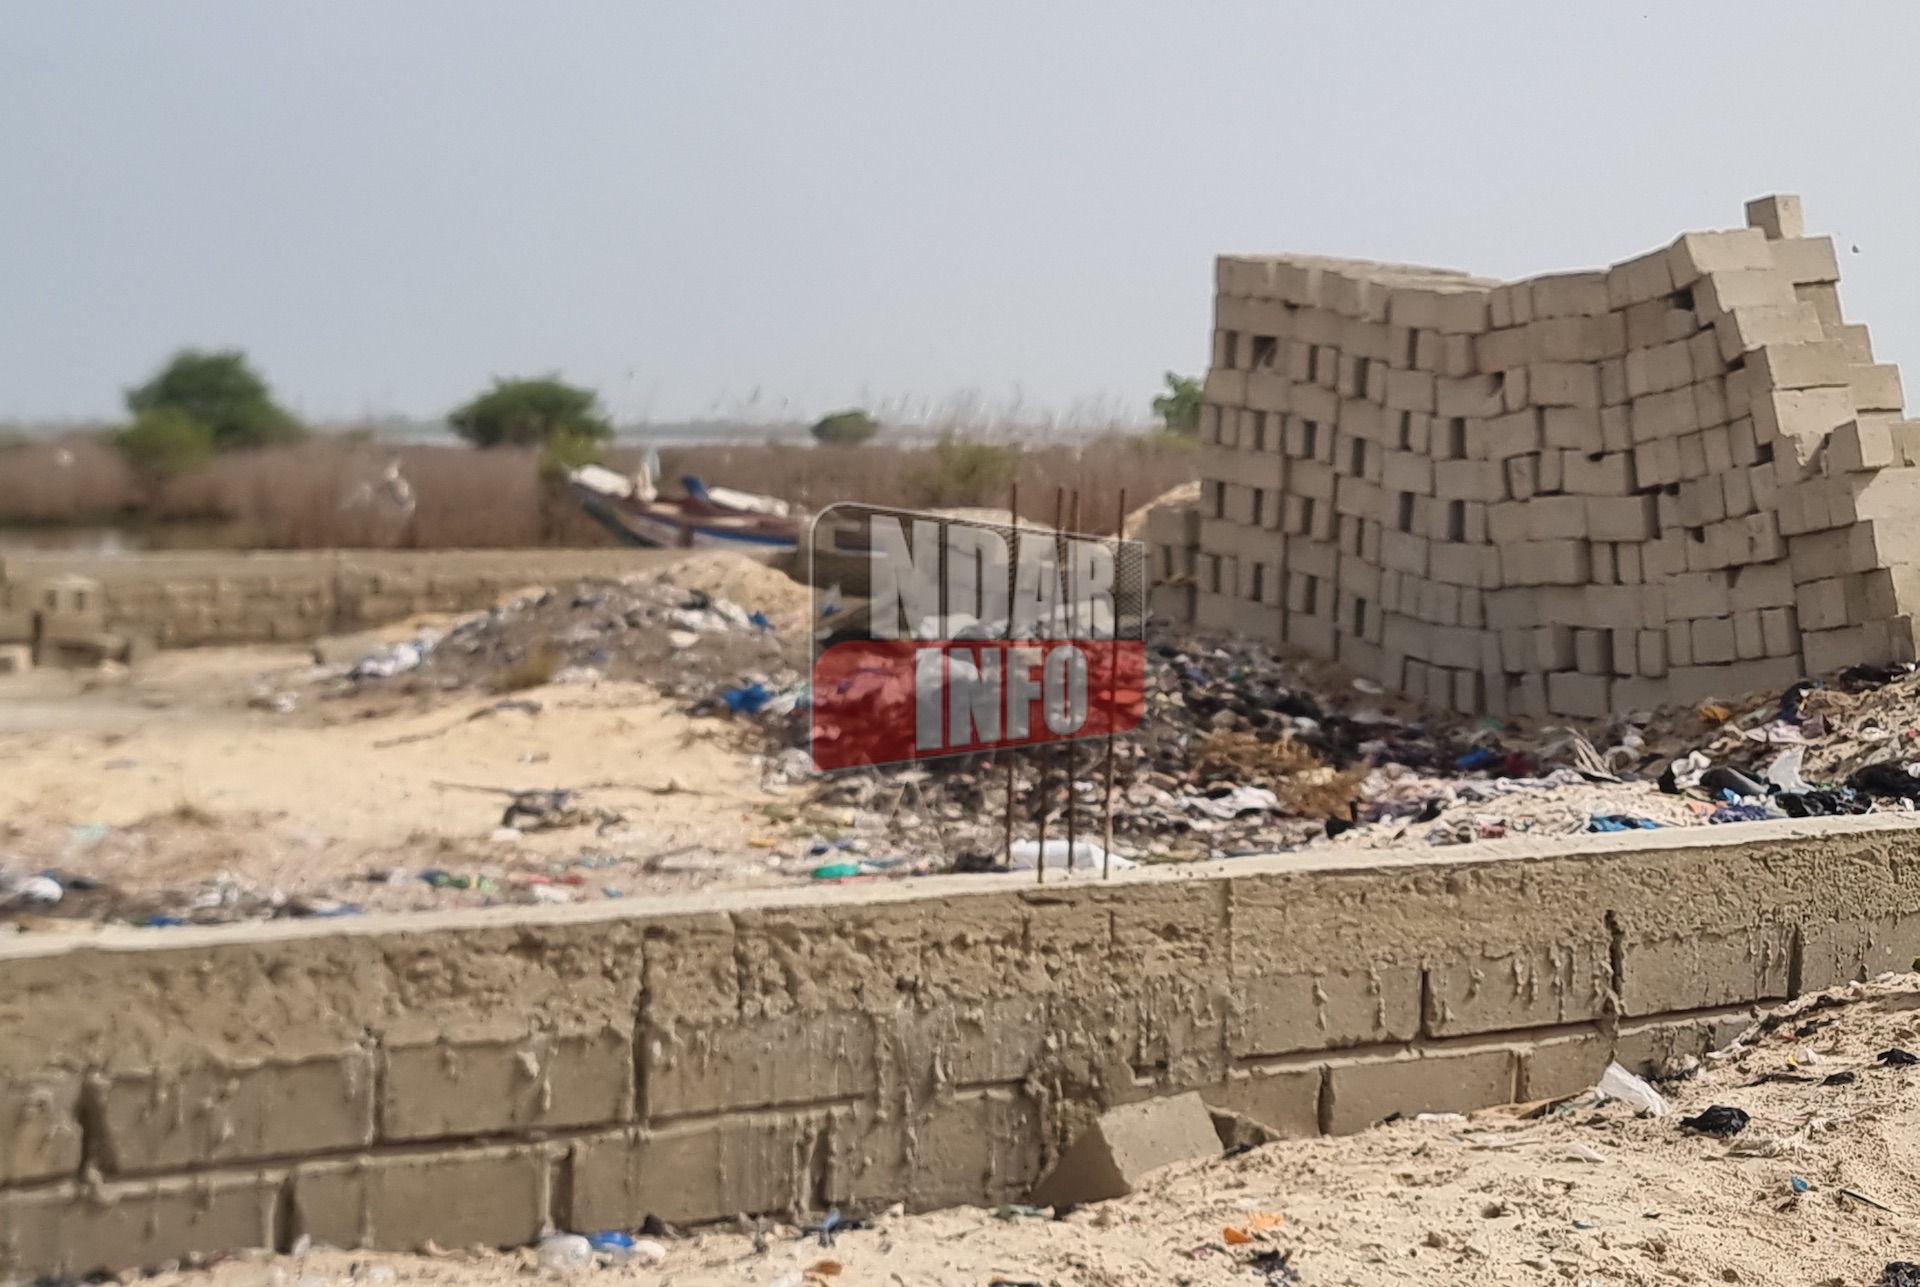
column 1582, row 1193
column 169, row 778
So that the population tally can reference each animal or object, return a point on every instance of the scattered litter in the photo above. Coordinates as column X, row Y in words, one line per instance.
column 1898, row 1058
column 1620, row 822
column 1274, row 1267
column 1578, row 1152
column 1617, row 1083
column 1785, row 771
column 1719, row 1120
column 565, row 1253
column 35, row 891
column 1238, row 1235
column 1900, row 1273
column 1087, row 856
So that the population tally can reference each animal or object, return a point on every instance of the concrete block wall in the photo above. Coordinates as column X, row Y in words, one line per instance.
column 1679, row 477
column 479, row 1077
column 187, row 598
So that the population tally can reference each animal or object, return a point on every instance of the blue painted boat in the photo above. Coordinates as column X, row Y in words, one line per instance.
column 704, row 518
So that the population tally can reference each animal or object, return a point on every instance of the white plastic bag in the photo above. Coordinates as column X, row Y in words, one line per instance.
column 1617, row 1083
column 1087, row 856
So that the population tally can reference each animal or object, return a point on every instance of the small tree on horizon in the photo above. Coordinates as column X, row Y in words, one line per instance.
column 847, row 428
column 544, row 412
column 1179, row 407
column 220, row 392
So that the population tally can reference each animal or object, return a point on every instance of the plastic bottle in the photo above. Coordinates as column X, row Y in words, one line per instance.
column 565, row 1253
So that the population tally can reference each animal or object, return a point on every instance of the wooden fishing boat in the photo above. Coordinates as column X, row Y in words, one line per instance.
column 702, row 518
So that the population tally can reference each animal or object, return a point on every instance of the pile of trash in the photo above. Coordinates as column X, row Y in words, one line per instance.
column 663, row 627
column 1241, row 752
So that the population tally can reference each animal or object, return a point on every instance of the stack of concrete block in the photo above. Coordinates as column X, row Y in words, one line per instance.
column 1677, row 478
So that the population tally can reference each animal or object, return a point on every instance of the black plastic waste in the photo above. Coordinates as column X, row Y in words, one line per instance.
column 1900, row 1273
column 1273, row 1265
column 1870, row 676
column 1898, row 1058
column 1793, row 698
column 1839, row 1079
column 1886, row 782
column 1821, row 804
column 1720, row 1120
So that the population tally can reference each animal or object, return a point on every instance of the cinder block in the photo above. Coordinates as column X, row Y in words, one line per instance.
column 1712, row 640
column 1361, row 1092
column 1577, row 695
column 696, row 1171
column 796, row 1058
column 1285, row 1098
column 1569, row 295
column 1696, row 254
column 1741, row 330
column 981, row 1144
column 1564, row 384
column 1877, row 388
column 496, row 1196
column 1835, row 952
column 1807, row 414
column 172, row 1118
column 1873, row 643
column 1592, row 473
column 1621, row 518
column 1593, row 652
column 1779, row 632
column 1531, row 986
column 1651, row 653
column 64, row 1230
column 1777, row 216
column 1553, row 518
column 1808, row 261
column 1115, row 1152
column 1799, row 366
column 40, row 1126
column 1708, row 967
column 1562, row 1066
column 1862, row 444
column 1766, row 585
column 1716, row 296
column 1637, row 280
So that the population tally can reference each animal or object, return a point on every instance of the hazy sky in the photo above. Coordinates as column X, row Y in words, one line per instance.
column 704, row 206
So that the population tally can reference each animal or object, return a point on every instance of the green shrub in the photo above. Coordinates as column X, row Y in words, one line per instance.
column 221, row 392
column 964, row 471
column 845, row 428
column 165, row 441
column 531, row 413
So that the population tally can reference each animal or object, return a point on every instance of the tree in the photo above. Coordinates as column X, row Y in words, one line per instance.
column 222, row 393
column 845, row 428
column 1179, row 407
column 164, row 441
column 533, row 413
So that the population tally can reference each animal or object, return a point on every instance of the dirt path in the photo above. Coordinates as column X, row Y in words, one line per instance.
column 172, row 778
